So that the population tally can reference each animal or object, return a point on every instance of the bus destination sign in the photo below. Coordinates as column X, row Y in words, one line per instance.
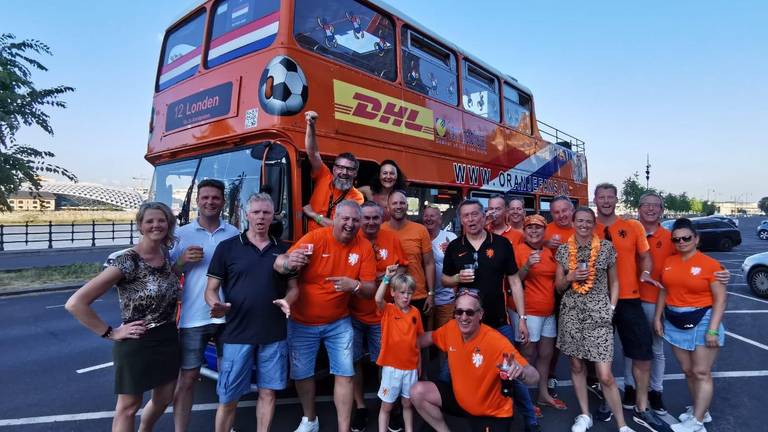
column 200, row 107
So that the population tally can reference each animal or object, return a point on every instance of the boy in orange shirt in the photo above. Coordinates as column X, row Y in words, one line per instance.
column 399, row 357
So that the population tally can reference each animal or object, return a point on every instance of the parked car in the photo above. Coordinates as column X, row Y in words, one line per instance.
column 755, row 271
column 714, row 234
column 730, row 220
column 762, row 230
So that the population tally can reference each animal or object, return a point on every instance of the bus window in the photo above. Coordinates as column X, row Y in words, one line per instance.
column 171, row 182
column 241, row 27
column 428, row 68
column 181, row 52
column 480, row 92
column 517, row 109
column 346, row 31
column 447, row 200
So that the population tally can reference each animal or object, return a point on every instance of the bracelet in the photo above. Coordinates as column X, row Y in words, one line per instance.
column 385, row 280
column 357, row 288
column 319, row 219
column 107, row 333
column 525, row 268
column 713, row 333
column 456, row 278
column 431, row 293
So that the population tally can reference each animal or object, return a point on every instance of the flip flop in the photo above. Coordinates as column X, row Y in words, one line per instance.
column 556, row 404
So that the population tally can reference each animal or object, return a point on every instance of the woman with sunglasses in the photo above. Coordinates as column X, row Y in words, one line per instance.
column 693, row 304
column 586, row 275
column 146, row 345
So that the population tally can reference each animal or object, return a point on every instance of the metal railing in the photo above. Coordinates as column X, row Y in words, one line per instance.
column 562, row 138
column 76, row 234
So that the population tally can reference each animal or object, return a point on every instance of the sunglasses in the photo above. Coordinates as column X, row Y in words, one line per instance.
column 468, row 312
column 683, row 239
column 468, row 292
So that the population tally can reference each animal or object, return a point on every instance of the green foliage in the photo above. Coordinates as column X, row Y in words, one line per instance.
column 632, row 190
column 22, row 104
column 763, row 205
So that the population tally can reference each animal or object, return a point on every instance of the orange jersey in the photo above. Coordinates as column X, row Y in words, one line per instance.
column 628, row 238
column 473, row 365
column 661, row 248
column 386, row 251
column 325, row 196
column 554, row 229
column 539, row 284
column 399, row 334
column 319, row 302
column 688, row 282
column 415, row 241
column 513, row 235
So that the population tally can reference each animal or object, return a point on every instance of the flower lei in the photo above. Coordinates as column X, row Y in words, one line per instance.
column 594, row 249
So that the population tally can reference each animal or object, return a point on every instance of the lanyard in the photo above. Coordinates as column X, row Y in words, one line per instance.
column 332, row 203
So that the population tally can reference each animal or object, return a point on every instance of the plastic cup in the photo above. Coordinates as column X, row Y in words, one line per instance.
column 582, row 265
column 309, row 248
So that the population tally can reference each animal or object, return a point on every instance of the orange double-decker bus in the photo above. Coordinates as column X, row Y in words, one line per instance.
column 235, row 76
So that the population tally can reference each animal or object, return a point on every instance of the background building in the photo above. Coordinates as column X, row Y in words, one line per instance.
column 32, row 201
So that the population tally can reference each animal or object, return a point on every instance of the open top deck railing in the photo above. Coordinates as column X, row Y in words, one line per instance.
column 561, row 138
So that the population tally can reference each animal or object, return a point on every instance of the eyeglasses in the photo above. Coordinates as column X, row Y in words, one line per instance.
column 344, row 168
column 683, row 239
column 468, row 312
column 650, row 205
column 474, row 257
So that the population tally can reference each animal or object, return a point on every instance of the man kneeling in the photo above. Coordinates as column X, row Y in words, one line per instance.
column 481, row 362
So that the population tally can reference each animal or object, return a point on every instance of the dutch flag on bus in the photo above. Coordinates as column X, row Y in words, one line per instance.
column 183, row 63
column 251, row 37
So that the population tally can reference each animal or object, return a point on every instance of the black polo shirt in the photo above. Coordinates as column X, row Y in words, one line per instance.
column 494, row 261
column 250, row 284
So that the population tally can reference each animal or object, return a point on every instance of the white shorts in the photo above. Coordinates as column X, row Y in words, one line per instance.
column 538, row 327
column 396, row 383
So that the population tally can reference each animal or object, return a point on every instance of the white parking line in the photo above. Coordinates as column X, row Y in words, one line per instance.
column 749, row 341
column 61, row 305
column 746, row 311
column 93, row 368
column 748, row 297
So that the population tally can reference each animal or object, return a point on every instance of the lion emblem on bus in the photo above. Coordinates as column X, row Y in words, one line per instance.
column 283, row 88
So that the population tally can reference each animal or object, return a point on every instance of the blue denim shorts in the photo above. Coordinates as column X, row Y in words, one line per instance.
column 237, row 363
column 691, row 338
column 193, row 341
column 304, row 342
column 370, row 333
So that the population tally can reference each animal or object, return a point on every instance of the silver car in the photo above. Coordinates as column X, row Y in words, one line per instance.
column 755, row 271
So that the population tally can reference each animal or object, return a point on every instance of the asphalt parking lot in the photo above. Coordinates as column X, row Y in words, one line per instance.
column 58, row 377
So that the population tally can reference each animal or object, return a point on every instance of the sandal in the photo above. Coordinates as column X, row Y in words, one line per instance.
column 537, row 412
column 556, row 404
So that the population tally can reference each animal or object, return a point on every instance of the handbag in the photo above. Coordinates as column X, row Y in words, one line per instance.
column 685, row 320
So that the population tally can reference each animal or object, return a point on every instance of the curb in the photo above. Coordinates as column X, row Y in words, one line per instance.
column 42, row 289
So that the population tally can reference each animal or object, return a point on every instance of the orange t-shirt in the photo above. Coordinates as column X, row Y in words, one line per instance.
column 514, row 236
column 688, row 282
column 539, row 284
column 662, row 248
column 319, row 302
column 555, row 229
column 387, row 251
column 325, row 195
column 628, row 238
column 473, row 365
column 399, row 333
column 415, row 241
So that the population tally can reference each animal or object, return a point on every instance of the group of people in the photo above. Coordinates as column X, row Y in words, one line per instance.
column 500, row 303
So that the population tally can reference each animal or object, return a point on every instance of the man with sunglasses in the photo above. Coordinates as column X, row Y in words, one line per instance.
column 632, row 250
column 482, row 260
column 330, row 187
column 479, row 358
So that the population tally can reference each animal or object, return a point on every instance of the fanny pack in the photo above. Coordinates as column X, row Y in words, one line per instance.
column 685, row 320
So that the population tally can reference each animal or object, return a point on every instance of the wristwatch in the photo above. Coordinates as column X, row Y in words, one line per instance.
column 524, row 317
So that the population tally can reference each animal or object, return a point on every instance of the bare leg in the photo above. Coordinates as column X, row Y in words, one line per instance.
column 685, row 358
column 610, row 391
column 426, row 398
column 545, row 348
column 162, row 396
column 182, row 399
column 407, row 414
column 641, row 370
column 384, row 411
column 357, row 383
column 703, row 358
column 306, row 391
column 125, row 412
column 342, row 397
column 265, row 409
column 579, row 377
column 225, row 416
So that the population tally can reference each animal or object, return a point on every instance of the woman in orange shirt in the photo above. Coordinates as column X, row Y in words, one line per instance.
column 693, row 305
column 389, row 178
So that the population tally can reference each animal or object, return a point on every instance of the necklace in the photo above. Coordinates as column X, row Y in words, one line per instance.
column 583, row 287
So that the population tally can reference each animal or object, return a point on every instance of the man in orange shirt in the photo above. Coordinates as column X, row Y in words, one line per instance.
column 333, row 263
column 516, row 214
column 479, row 359
column 366, row 318
column 561, row 228
column 330, row 188
column 635, row 334
column 417, row 246
column 497, row 220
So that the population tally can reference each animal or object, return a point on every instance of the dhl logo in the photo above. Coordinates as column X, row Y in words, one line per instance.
column 366, row 107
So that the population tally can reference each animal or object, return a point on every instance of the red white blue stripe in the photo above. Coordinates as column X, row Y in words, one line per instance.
column 179, row 69
column 251, row 37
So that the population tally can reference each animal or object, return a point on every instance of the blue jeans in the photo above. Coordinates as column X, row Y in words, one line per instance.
column 522, row 397
column 237, row 365
column 304, row 342
column 370, row 333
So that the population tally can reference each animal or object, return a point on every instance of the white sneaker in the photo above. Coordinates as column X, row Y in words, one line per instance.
column 689, row 414
column 690, row 425
column 626, row 429
column 582, row 423
column 308, row 426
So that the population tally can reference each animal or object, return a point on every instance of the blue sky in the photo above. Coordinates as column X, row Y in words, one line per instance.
column 683, row 81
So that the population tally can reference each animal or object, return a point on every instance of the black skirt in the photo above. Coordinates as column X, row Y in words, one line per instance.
column 145, row 363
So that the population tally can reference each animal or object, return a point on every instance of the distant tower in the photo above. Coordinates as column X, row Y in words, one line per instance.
column 647, row 171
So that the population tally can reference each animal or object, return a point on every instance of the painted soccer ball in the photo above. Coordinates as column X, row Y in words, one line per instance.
column 283, row 89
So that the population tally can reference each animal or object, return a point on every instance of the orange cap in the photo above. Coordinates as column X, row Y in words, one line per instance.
column 535, row 219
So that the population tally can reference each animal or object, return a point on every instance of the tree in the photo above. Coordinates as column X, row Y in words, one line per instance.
column 763, row 205
column 21, row 103
column 632, row 190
